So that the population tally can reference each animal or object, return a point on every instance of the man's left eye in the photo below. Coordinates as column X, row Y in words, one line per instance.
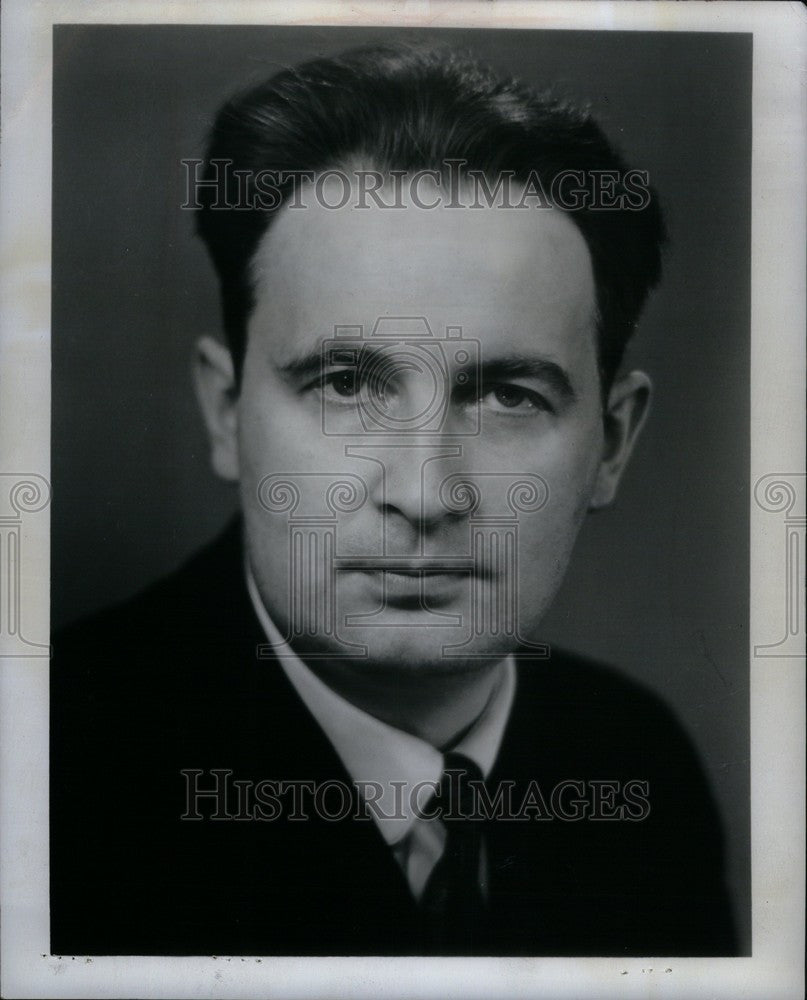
column 514, row 399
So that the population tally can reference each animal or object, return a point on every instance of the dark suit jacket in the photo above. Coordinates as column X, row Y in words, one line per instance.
column 175, row 679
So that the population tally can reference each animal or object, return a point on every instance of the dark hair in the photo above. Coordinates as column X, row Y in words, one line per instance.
column 407, row 108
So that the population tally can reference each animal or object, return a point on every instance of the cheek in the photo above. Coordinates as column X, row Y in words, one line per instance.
column 263, row 448
column 569, row 461
column 269, row 439
column 569, row 465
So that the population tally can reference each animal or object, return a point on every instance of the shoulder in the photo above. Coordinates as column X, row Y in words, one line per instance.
column 186, row 587
column 596, row 694
column 174, row 609
column 592, row 717
column 588, row 731
column 166, row 647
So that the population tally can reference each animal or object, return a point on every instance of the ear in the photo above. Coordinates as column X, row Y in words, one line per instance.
column 625, row 414
column 214, row 378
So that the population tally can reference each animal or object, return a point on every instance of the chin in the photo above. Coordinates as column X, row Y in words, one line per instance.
column 423, row 650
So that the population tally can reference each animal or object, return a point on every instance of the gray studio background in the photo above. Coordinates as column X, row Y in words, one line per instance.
column 659, row 584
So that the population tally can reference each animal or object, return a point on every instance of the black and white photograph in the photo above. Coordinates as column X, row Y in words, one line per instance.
column 408, row 510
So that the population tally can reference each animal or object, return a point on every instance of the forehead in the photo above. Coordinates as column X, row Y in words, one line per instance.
column 502, row 274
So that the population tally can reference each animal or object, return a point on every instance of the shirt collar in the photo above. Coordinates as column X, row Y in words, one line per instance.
column 376, row 754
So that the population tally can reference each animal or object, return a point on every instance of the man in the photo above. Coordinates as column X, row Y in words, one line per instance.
column 336, row 730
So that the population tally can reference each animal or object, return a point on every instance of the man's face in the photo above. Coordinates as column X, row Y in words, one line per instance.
column 395, row 567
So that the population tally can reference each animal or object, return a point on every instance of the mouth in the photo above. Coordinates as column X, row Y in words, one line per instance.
column 412, row 584
column 417, row 567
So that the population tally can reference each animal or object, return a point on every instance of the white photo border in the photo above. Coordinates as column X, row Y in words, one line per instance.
column 777, row 625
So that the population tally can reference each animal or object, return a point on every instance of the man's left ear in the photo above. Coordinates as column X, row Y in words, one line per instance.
column 625, row 414
column 217, row 393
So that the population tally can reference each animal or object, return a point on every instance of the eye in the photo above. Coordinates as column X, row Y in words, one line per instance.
column 511, row 396
column 345, row 384
column 515, row 399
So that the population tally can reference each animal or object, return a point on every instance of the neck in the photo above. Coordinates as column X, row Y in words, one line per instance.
column 436, row 708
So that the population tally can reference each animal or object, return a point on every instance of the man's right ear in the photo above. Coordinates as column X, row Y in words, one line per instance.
column 216, row 390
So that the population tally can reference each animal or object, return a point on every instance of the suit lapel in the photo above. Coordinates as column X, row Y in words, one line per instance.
column 264, row 731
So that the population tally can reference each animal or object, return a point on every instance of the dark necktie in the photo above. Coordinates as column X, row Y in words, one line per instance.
column 453, row 903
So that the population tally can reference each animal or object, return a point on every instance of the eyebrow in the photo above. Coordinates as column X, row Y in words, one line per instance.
column 493, row 369
column 314, row 361
column 303, row 366
column 527, row 366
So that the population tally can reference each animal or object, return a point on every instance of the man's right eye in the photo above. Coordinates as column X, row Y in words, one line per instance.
column 345, row 384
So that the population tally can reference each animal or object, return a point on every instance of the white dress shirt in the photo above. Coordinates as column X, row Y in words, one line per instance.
column 405, row 768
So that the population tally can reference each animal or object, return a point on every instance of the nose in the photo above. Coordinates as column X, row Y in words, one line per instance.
column 418, row 446
column 409, row 489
